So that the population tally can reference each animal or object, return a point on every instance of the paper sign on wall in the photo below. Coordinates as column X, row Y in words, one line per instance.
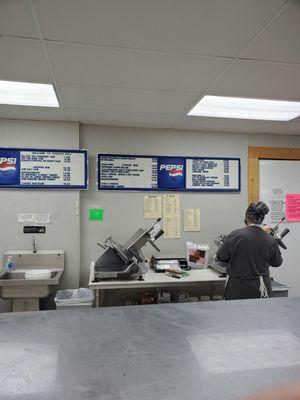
column 277, row 205
column 191, row 220
column 152, row 207
column 293, row 207
column 171, row 216
column 34, row 218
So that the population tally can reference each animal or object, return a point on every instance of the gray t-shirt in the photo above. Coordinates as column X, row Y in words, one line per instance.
column 250, row 251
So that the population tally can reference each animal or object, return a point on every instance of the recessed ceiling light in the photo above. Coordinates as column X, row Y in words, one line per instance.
column 246, row 108
column 27, row 94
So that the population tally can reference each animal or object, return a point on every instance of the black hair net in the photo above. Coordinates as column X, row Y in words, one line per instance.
column 258, row 211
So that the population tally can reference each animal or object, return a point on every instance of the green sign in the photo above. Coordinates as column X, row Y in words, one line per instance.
column 96, row 214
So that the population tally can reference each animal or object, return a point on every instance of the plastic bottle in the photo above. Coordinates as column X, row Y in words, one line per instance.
column 9, row 264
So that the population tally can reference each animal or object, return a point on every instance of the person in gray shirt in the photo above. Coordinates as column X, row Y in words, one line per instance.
column 250, row 252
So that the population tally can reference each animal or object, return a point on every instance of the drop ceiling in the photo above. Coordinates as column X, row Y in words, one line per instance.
column 144, row 63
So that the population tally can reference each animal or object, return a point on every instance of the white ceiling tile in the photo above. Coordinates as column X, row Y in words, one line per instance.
column 237, row 125
column 37, row 113
column 121, row 118
column 23, row 60
column 16, row 19
column 281, row 41
column 95, row 65
column 260, row 79
column 107, row 85
column 120, row 99
column 215, row 27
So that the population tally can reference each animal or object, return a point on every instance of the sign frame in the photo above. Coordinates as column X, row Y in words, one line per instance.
column 158, row 189
column 85, row 186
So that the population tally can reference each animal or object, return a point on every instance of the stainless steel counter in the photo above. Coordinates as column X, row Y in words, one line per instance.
column 154, row 280
column 216, row 350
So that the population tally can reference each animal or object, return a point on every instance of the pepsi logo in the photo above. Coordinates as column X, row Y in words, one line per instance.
column 8, row 164
column 173, row 169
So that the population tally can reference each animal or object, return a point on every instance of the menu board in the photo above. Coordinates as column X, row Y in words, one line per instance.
column 212, row 174
column 127, row 172
column 168, row 173
column 43, row 168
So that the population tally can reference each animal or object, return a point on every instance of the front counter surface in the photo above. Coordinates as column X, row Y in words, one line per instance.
column 212, row 350
column 152, row 280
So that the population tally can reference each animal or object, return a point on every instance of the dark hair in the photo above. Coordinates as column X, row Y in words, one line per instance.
column 256, row 212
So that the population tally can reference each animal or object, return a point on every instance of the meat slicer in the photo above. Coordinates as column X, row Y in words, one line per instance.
column 126, row 261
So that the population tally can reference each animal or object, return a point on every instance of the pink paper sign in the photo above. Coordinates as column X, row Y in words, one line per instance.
column 292, row 212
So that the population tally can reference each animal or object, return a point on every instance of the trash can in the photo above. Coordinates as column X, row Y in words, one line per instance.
column 74, row 298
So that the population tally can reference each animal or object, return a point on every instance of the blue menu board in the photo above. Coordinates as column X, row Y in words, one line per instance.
column 43, row 168
column 168, row 173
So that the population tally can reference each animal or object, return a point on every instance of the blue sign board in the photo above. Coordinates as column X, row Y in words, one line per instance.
column 168, row 173
column 43, row 168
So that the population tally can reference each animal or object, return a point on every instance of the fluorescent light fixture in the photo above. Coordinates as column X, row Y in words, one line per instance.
column 28, row 94
column 246, row 108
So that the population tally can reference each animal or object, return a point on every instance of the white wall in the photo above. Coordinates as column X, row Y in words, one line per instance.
column 123, row 211
column 63, row 231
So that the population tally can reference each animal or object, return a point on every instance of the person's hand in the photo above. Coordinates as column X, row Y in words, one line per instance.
column 266, row 228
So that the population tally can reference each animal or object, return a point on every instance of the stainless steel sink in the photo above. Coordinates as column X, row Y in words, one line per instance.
column 24, row 260
column 14, row 285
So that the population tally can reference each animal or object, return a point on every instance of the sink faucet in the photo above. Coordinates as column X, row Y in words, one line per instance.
column 33, row 242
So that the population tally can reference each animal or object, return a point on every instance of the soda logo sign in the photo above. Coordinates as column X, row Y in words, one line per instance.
column 8, row 164
column 173, row 169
